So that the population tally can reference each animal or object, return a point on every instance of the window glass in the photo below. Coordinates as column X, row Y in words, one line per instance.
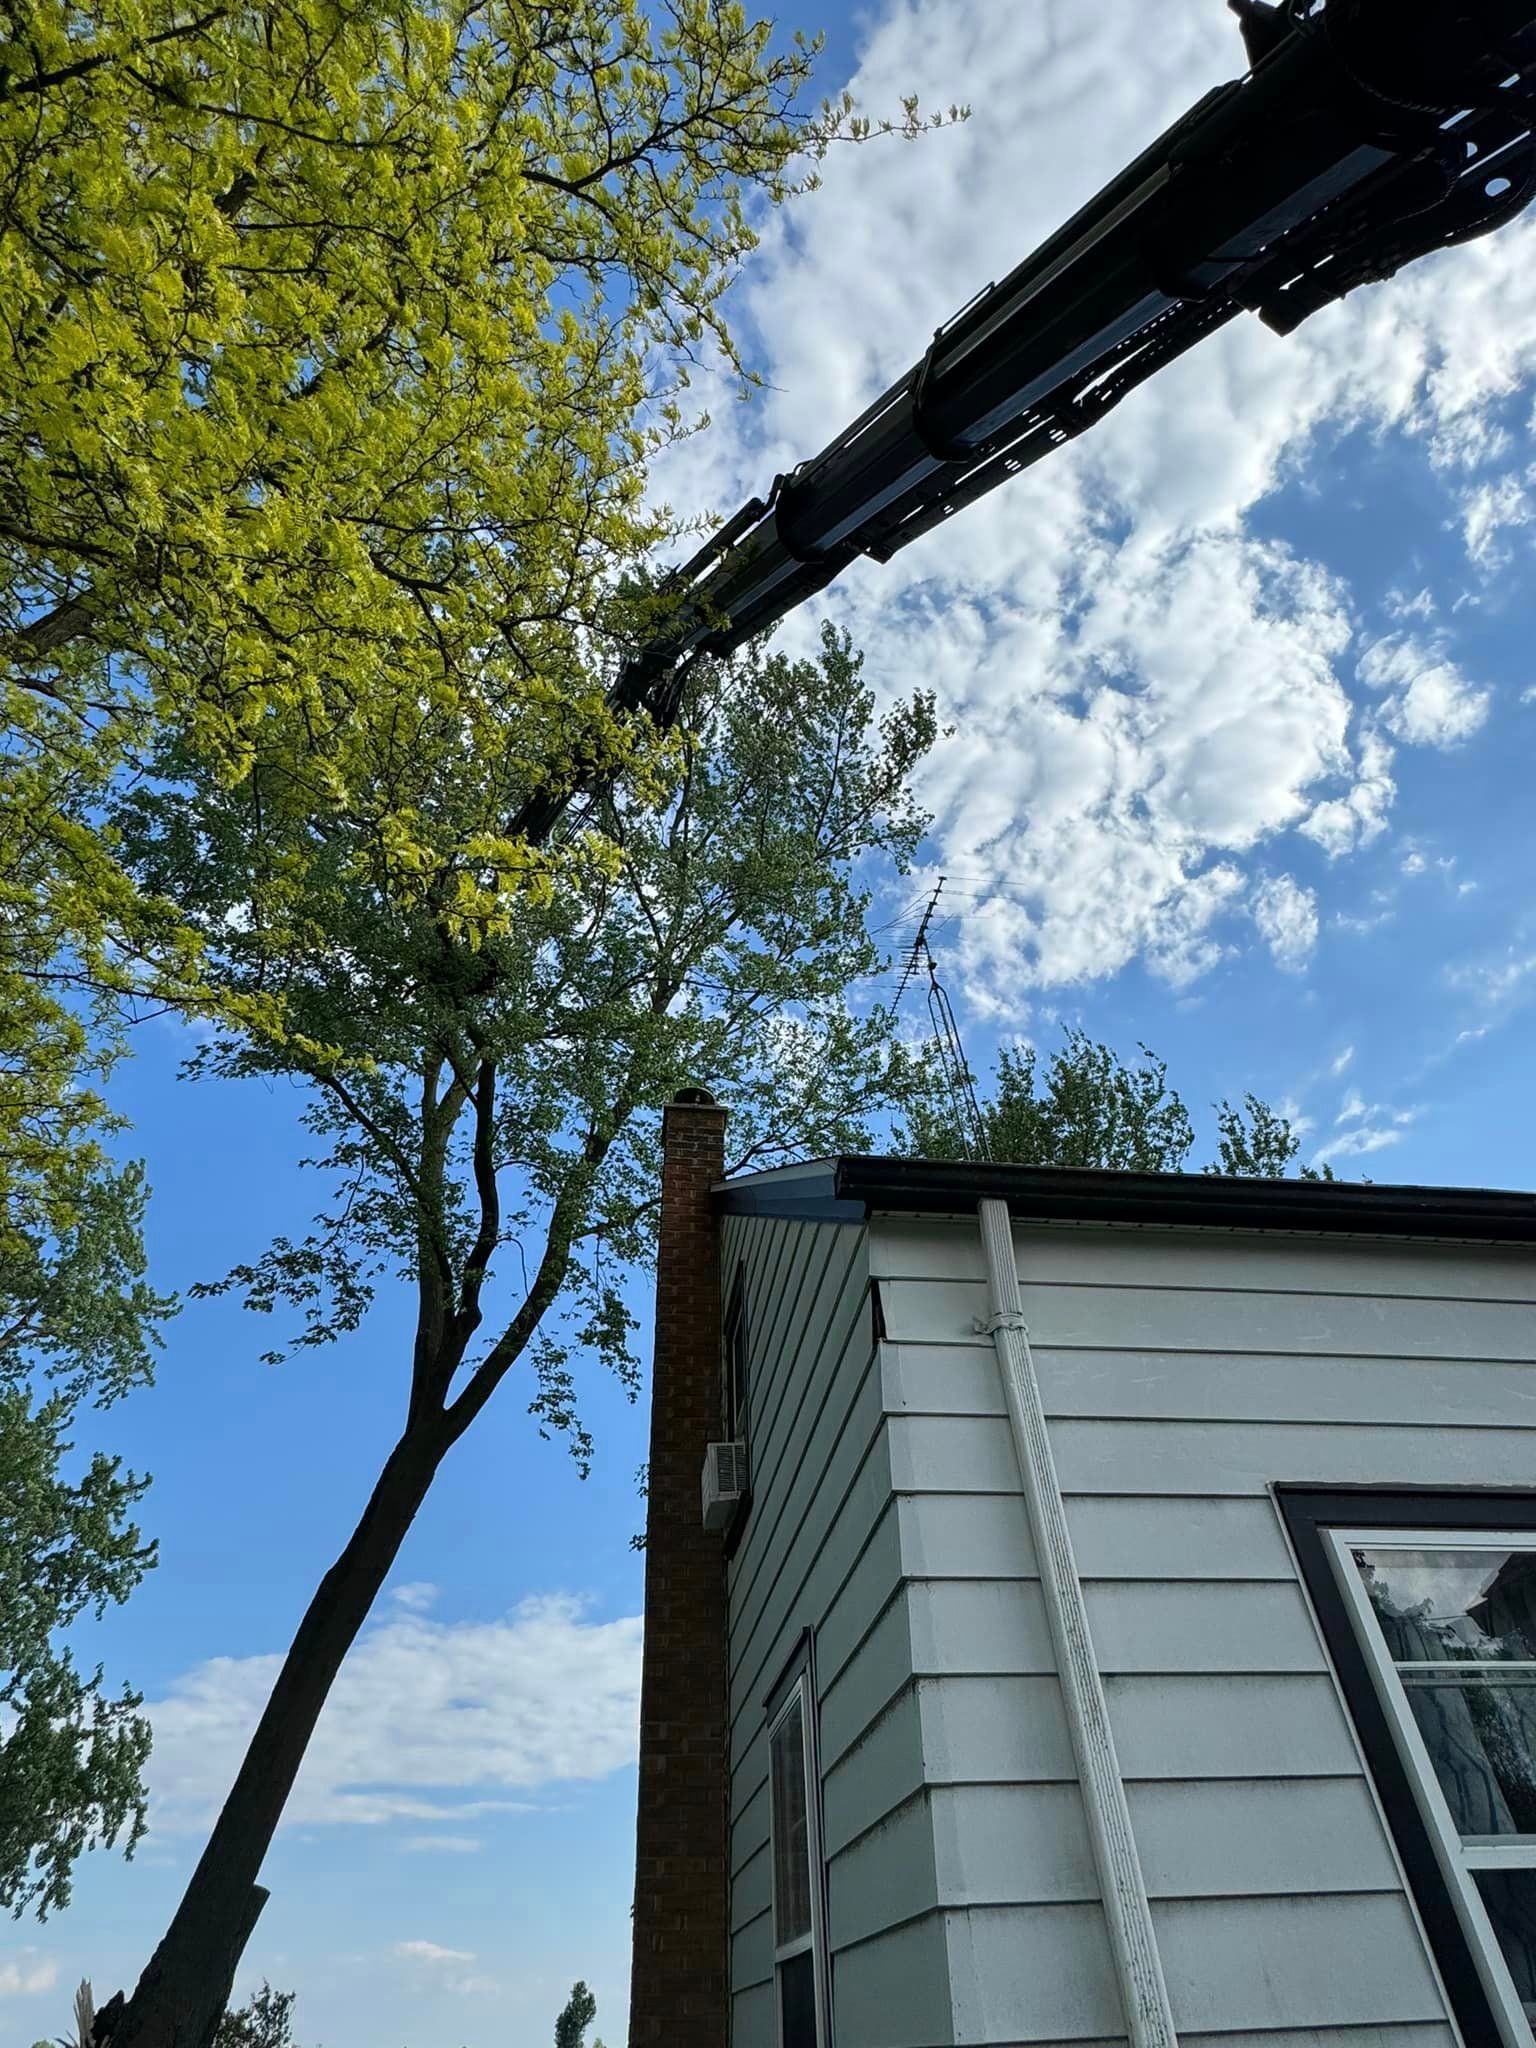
column 1446, row 1606
column 736, row 1363
column 791, row 1830
column 1509, row 1897
column 1457, row 1623
column 1481, row 1736
column 797, row 2000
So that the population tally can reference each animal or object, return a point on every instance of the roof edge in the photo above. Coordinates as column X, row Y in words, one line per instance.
column 1208, row 1201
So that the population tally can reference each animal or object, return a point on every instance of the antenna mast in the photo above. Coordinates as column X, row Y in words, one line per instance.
column 948, row 1048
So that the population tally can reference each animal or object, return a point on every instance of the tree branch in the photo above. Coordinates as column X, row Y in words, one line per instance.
column 489, row 1192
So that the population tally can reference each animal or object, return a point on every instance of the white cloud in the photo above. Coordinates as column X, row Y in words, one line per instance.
column 1362, row 1127
column 1414, row 864
column 429, row 1952
column 444, row 1845
column 1495, row 984
column 1489, row 512
column 1119, row 746
column 1342, row 824
column 445, row 1969
column 1286, row 915
column 1145, row 694
column 1468, row 440
column 1400, row 606
column 1344, row 1060
column 422, row 1714
column 21, row 1978
column 1428, row 701
column 1357, row 1144
column 1295, row 1116
column 416, row 1597
column 1362, row 922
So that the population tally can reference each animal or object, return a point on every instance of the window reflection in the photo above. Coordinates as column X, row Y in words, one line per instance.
column 1448, row 1606
column 1481, row 1739
column 791, row 1837
column 1509, row 1898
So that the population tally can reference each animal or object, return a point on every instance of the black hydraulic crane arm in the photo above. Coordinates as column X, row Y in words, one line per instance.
column 1364, row 134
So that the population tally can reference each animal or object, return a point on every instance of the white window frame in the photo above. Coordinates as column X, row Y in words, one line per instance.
column 1457, row 1857
column 798, row 1688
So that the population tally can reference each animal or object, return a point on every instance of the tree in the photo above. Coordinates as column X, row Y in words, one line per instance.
column 489, row 1110
column 1088, row 1107
column 265, row 2022
column 78, row 1324
column 336, row 345
column 580, row 2011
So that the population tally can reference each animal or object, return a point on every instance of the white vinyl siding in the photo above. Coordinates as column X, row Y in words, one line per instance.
column 1183, row 1374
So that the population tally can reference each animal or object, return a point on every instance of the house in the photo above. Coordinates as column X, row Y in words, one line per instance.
column 1129, row 1634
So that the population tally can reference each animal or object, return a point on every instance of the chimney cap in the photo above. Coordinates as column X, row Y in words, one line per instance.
column 696, row 1098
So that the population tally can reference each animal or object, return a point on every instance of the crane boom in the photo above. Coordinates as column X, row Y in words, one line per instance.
column 1364, row 134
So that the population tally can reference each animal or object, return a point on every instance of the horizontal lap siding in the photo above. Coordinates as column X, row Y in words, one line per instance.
column 1253, row 1966
column 1182, row 1376
column 821, row 1549
column 893, row 1990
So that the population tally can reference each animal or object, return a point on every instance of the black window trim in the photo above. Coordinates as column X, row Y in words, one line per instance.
column 736, row 1332
column 1309, row 1511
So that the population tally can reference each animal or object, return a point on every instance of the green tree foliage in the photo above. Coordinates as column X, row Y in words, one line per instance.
column 329, row 334
column 1085, row 1106
column 579, row 2013
column 77, row 1327
column 265, row 2021
column 336, row 343
column 489, row 1112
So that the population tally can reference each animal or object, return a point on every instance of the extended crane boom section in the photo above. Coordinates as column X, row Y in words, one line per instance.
column 1366, row 133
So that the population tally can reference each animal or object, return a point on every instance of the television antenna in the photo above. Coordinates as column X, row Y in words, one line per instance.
column 948, row 1049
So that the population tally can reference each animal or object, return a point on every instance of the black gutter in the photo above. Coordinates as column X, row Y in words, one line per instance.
column 1205, row 1201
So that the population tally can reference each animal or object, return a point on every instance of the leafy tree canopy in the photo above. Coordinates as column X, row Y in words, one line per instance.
column 488, row 1114
column 492, row 1108
column 1085, row 1106
column 579, row 2013
column 265, row 2021
column 77, row 1325
column 336, row 344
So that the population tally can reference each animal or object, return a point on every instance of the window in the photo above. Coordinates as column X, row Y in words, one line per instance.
column 1429, row 1604
column 736, row 1360
column 795, row 1848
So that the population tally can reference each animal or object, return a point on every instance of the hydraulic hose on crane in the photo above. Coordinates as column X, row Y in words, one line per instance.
column 1365, row 133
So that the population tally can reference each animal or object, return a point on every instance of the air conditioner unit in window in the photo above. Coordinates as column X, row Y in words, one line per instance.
column 725, row 1484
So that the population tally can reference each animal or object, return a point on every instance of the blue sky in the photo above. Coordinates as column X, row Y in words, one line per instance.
column 1240, row 767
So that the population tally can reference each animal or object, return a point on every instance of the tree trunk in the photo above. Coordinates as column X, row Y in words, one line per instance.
column 186, row 1984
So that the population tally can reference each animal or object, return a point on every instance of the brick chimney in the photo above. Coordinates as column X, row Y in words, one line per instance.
column 678, row 1987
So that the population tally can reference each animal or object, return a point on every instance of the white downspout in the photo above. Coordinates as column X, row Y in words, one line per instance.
column 1132, row 1939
